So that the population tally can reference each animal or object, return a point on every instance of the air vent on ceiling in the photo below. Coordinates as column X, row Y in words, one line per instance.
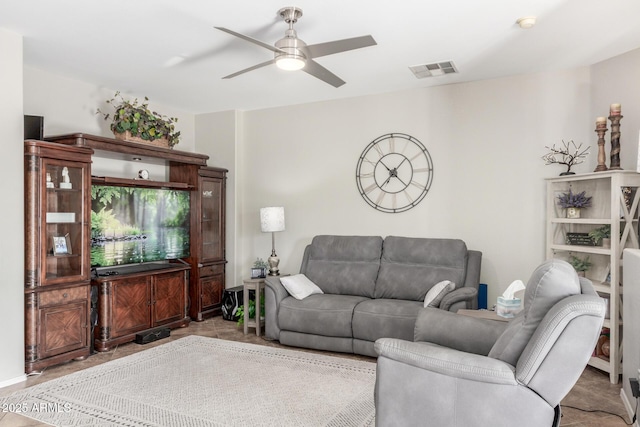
column 434, row 69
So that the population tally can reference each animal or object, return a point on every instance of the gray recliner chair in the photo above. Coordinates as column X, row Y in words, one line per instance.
column 476, row 372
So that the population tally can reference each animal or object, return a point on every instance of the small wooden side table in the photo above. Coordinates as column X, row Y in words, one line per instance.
column 482, row 314
column 256, row 285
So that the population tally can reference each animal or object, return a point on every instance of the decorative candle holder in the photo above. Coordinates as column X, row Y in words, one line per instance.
column 615, row 141
column 601, row 130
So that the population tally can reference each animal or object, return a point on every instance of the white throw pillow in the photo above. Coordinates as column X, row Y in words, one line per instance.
column 437, row 292
column 299, row 286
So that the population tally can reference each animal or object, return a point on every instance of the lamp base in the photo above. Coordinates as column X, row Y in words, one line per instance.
column 273, row 262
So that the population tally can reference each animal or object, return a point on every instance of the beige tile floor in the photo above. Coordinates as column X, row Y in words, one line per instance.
column 593, row 390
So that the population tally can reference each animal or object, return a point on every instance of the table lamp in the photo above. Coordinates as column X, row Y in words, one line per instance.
column 272, row 220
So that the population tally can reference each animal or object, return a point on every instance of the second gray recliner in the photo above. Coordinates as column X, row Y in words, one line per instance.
column 476, row 372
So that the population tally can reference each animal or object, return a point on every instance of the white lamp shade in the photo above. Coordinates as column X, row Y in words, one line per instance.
column 272, row 219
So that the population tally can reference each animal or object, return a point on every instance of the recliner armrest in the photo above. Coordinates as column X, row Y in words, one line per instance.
column 457, row 331
column 447, row 361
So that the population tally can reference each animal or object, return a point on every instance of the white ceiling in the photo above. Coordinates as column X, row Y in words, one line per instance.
column 129, row 45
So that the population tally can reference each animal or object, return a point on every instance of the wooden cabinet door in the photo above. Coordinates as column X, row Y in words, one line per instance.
column 169, row 302
column 63, row 328
column 211, row 288
column 131, row 306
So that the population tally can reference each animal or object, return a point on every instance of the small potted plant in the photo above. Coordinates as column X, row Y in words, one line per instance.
column 573, row 202
column 581, row 265
column 252, row 310
column 259, row 269
column 601, row 236
column 133, row 121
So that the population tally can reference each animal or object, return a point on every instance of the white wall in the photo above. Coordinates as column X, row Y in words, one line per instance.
column 216, row 136
column 69, row 106
column 11, row 187
column 486, row 140
column 615, row 81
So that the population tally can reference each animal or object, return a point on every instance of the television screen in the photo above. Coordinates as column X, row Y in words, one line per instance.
column 134, row 225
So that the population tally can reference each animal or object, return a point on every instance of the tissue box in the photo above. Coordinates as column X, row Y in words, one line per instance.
column 508, row 308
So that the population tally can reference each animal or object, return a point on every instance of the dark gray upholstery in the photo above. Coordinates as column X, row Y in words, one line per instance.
column 478, row 372
column 352, row 314
column 344, row 265
column 378, row 318
column 419, row 266
column 320, row 314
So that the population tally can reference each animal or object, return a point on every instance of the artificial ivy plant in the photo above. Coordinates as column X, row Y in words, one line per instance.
column 138, row 119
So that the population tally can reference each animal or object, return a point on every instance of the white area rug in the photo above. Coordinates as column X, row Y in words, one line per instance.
column 199, row 381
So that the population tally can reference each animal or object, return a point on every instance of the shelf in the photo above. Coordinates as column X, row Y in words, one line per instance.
column 603, row 365
column 594, row 221
column 145, row 183
column 125, row 150
column 608, row 208
column 593, row 175
column 584, row 249
column 63, row 190
column 602, row 287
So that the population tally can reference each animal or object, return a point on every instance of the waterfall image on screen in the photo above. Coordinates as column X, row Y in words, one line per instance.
column 132, row 225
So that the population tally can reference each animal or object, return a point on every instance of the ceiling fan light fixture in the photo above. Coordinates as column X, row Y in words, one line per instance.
column 290, row 62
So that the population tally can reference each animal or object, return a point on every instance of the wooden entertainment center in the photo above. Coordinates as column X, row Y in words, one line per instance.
column 67, row 305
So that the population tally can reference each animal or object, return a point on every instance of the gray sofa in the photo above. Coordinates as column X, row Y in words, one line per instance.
column 373, row 288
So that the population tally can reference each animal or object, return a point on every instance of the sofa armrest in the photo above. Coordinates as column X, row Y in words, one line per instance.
column 457, row 331
column 472, row 278
column 447, row 361
column 466, row 295
column 274, row 293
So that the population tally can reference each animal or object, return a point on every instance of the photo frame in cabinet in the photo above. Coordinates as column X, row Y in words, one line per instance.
column 62, row 245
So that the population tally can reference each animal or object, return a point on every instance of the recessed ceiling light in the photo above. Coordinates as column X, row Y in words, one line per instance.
column 526, row 22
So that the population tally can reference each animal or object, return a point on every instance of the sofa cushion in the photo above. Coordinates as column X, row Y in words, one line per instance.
column 299, row 286
column 319, row 314
column 390, row 318
column 344, row 265
column 412, row 266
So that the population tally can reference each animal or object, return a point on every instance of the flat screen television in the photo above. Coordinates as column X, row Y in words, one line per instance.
column 132, row 225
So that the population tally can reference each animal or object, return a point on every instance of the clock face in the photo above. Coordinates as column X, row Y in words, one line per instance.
column 394, row 173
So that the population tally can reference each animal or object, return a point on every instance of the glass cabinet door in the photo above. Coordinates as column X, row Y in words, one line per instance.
column 64, row 225
column 211, row 220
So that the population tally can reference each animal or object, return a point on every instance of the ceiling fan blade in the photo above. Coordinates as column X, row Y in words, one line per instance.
column 317, row 70
column 246, row 70
column 250, row 39
column 337, row 46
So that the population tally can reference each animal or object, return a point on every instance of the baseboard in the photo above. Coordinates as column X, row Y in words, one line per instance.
column 12, row 381
column 628, row 406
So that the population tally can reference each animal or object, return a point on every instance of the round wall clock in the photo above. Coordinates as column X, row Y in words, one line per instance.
column 394, row 172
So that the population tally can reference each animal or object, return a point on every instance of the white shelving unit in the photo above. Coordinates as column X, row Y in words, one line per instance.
column 615, row 196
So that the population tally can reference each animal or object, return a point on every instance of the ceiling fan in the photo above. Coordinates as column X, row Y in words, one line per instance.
column 291, row 53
